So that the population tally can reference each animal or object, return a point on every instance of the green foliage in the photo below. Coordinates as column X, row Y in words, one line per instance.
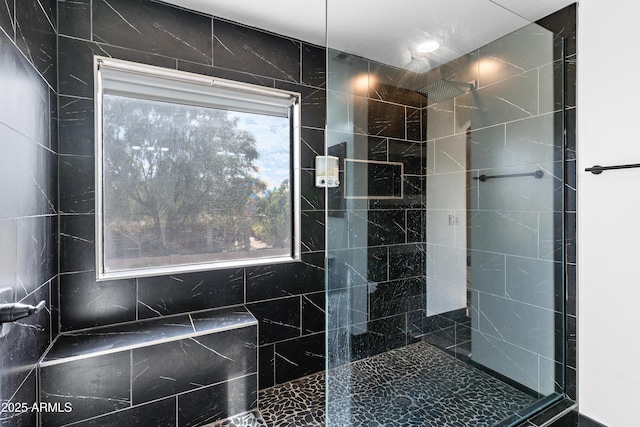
column 179, row 179
column 274, row 224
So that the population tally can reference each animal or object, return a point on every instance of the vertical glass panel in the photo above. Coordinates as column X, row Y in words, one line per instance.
column 466, row 266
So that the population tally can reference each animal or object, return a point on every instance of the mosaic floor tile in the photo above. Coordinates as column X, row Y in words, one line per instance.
column 251, row 419
column 417, row 385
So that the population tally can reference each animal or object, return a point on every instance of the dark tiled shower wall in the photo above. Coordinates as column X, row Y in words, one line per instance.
column 377, row 283
column 28, row 195
column 563, row 25
column 286, row 299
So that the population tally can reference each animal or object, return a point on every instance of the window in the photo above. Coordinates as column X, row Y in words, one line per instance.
column 192, row 172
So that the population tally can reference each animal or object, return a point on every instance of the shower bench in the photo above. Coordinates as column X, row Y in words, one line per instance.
column 188, row 369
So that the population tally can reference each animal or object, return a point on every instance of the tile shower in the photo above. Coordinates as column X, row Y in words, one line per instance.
column 55, row 218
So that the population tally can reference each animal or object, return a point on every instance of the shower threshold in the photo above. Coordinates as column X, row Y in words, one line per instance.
column 416, row 385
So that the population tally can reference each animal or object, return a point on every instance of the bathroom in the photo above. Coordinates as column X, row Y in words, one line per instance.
column 48, row 216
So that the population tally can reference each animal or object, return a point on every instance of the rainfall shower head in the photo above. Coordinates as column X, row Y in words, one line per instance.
column 444, row 89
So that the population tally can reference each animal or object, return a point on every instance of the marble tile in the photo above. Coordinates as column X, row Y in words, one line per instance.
column 205, row 359
column 494, row 231
column 221, row 319
column 312, row 231
column 239, row 76
column 414, row 124
column 8, row 253
column 278, row 319
column 45, row 180
column 416, row 225
column 376, row 148
column 85, row 303
column 571, row 291
column 281, row 280
column 378, row 264
column 440, row 119
column 266, row 367
column 488, row 272
column 75, row 65
column 26, row 394
column 111, row 339
column 30, row 337
column 37, row 257
column 520, row 51
column 161, row 413
column 36, row 38
column 77, row 245
column 517, row 324
column 299, row 357
column 52, row 143
column 506, row 359
column 91, row 387
column 311, row 145
column 487, row 147
column 534, row 281
column 535, row 140
column 313, row 65
column 385, row 227
column 511, row 99
column 17, row 166
column 313, row 106
column 343, row 70
column 74, row 18
column 406, row 261
column 218, row 402
column 245, row 49
column 311, row 197
column 385, row 119
column 551, row 79
column 313, row 313
column 76, row 121
column 563, row 24
column 154, row 28
column 20, row 85
column 77, row 184
column 397, row 296
column 178, row 293
column 386, row 334
column 7, row 18
column 410, row 154
column 50, row 8
column 391, row 84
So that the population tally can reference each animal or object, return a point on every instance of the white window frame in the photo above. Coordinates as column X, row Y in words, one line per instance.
column 126, row 78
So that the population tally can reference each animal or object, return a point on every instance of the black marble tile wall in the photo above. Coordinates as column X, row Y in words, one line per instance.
column 28, row 196
column 376, row 244
column 201, row 378
column 199, row 368
column 285, row 298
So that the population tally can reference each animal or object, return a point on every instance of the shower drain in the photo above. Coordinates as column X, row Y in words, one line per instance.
column 404, row 401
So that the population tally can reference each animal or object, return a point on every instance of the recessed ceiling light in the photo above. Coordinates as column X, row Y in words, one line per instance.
column 427, row 47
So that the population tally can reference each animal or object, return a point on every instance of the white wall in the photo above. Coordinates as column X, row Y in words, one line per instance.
column 608, row 212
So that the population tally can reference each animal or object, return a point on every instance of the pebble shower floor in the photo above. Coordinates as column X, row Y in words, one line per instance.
column 416, row 385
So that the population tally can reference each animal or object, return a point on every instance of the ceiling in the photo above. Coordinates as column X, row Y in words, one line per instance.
column 385, row 31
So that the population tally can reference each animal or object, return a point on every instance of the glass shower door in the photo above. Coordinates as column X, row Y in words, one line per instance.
column 444, row 276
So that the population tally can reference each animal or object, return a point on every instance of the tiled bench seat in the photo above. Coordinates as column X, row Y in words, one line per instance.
column 185, row 370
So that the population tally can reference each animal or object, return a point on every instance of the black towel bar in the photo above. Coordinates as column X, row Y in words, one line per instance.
column 596, row 170
column 537, row 174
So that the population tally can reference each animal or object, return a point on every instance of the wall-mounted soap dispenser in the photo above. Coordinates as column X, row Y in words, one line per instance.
column 327, row 171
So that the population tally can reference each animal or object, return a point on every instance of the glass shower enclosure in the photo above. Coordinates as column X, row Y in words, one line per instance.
column 444, row 275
